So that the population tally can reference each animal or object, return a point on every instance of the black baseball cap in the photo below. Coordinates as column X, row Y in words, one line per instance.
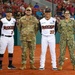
column 47, row 10
column 8, row 11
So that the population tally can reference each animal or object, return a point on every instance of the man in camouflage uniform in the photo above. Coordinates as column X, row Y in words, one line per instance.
column 66, row 29
column 28, row 27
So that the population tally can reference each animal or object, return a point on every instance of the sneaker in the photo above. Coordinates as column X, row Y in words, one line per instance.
column 54, row 69
column 11, row 67
column 41, row 68
column 0, row 67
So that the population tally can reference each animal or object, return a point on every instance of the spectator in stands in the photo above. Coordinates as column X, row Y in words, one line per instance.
column 8, row 3
column 39, row 14
column 18, row 15
column 63, row 9
column 3, row 13
column 68, row 7
column 58, row 10
column 36, row 5
column 12, row 2
column 72, row 9
column 72, row 16
column 22, row 14
column 22, row 8
column 0, row 16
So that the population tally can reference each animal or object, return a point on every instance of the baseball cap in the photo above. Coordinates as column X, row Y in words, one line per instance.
column 67, row 12
column 8, row 11
column 28, row 8
column 47, row 10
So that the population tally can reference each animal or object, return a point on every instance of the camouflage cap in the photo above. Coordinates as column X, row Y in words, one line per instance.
column 28, row 8
column 67, row 12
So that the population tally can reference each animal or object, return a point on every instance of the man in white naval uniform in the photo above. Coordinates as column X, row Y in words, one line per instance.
column 47, row 27
column 7, row 26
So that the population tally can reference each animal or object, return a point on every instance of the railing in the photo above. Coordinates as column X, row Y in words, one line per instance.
column 55, row 1
column 60, row 1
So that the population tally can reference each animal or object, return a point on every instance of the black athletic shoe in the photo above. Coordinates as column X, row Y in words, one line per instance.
column 11, row 67
column 41, row 68
column 55, row 69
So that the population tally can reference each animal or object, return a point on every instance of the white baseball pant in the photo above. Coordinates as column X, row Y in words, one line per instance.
column 6, row 42
column 45, row 41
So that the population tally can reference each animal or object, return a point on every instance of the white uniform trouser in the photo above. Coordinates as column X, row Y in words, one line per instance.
column 45, row 41
column 6, row 42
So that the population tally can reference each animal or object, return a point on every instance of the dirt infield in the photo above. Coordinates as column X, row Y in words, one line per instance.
column 67, row 68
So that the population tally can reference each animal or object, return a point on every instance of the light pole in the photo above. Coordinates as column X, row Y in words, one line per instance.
column 52, row 8
column 30, row 1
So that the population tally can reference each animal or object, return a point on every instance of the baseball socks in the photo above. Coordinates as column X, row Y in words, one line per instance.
column 1, row 58
column 10, row 66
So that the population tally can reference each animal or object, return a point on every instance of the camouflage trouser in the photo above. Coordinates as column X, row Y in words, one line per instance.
column 25, row 45
column 63, row 44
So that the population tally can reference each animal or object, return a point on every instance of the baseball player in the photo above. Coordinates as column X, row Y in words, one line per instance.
column 47, row 27
column 7, row 26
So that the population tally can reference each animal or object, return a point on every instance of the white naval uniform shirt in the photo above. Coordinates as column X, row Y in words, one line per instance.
column 7, row 23
column 50, row 22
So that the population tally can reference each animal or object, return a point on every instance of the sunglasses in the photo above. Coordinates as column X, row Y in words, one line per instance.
column 67, row 13
column 28, row 10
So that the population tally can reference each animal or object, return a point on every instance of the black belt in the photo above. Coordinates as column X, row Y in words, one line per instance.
column 6, row 35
